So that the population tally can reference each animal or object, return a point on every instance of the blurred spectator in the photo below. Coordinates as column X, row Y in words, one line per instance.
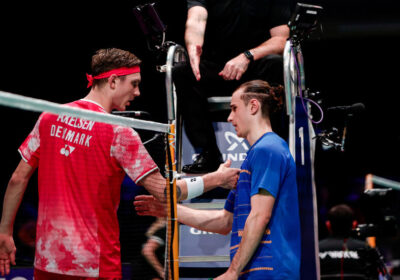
column 343, row 257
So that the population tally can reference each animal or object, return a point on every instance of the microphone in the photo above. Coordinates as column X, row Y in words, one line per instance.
column 350, row 109
column 131, row 113
column 155, row 137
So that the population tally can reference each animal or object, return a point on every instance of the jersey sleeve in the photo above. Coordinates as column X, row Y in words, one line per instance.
column 127, row 148
column 266, row 168
column 280, row 12
column 230, row 201
column 193, row 3
column 30, row 148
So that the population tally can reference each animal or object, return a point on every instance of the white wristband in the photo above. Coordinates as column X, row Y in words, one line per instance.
column 195, row 187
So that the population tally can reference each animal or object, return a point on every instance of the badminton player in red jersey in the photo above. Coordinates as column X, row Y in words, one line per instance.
column 81, row 165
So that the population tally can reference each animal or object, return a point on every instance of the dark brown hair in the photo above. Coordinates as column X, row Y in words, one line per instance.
column 270, row 97
column 107, row 59
column 341, row 217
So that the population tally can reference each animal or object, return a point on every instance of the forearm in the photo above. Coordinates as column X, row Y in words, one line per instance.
column 12, row 200
column 274, row 45
column 223, row 177
column 155, row 184
column 252, row 234
column 195, row 26
column 153, row 261
column 217, row 221
column 148, row 252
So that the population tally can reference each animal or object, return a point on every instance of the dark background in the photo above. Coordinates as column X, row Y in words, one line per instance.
column 46, row 51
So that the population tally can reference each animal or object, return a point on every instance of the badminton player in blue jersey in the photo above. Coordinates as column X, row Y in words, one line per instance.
column 262, row 212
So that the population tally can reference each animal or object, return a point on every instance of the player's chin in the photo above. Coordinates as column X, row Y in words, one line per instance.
column 238, row 133
column 123, row 107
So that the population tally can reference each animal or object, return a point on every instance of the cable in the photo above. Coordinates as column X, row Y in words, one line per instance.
column 301, row 92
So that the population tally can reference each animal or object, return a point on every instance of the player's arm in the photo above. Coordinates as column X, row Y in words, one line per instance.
column 12, row 200
column 225, row 176
column 158, row 224
column 194, row 36
column 218, row 221
column 256, row 223
column 149, row 252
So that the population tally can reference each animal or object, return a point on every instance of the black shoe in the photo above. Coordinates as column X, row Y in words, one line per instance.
column 205, row 162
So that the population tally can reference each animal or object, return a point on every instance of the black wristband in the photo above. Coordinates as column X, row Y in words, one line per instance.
column 249, row 55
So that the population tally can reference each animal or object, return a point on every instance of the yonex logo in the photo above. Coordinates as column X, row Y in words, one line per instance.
column 67, row 150
column 234, row 141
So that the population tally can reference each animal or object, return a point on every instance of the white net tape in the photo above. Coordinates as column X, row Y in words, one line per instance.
column 385, row 182
column 39, row 105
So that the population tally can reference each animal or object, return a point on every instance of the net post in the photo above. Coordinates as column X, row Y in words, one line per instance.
column 369, row 185
column 172, row 256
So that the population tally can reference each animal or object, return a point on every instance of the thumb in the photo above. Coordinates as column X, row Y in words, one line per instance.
column 12, row 253
column 12, row 257
column 227, row 163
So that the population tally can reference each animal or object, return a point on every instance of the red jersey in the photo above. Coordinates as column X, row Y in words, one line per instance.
column 81, row 167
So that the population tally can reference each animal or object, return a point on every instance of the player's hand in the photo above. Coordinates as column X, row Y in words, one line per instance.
column 148, row 205
column 7, row 253
column 227, row 276
column 194, row 52
column 235, row 68
column 228, row 176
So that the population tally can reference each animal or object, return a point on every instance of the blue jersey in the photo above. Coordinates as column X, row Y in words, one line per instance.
column 270, row 166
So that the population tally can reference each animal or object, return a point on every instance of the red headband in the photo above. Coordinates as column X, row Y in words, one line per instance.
column 119, row 72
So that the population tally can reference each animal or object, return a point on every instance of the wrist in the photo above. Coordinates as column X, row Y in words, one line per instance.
column 234, row 272
column 213, row 179
column 195, row 187
column 4, row 229
column 249, row 55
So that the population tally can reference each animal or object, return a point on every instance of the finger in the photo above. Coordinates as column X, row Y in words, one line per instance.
column 227, row 163
column 4, row 267
column 225, row 72
column 144, row 197
column 197, row 75
column 239, row 75
column 196, row 72
column 142, row 209
column 12, row 256
column 139, row 203
column 143, row 213
column 232, row 74
column 7, row 267
column 228, row 73
column 194, row 64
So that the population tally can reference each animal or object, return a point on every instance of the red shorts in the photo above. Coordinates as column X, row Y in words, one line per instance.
column 43, row 275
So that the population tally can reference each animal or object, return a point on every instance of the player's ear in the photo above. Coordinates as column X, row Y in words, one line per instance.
column 111, row 81
column 254, row 106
